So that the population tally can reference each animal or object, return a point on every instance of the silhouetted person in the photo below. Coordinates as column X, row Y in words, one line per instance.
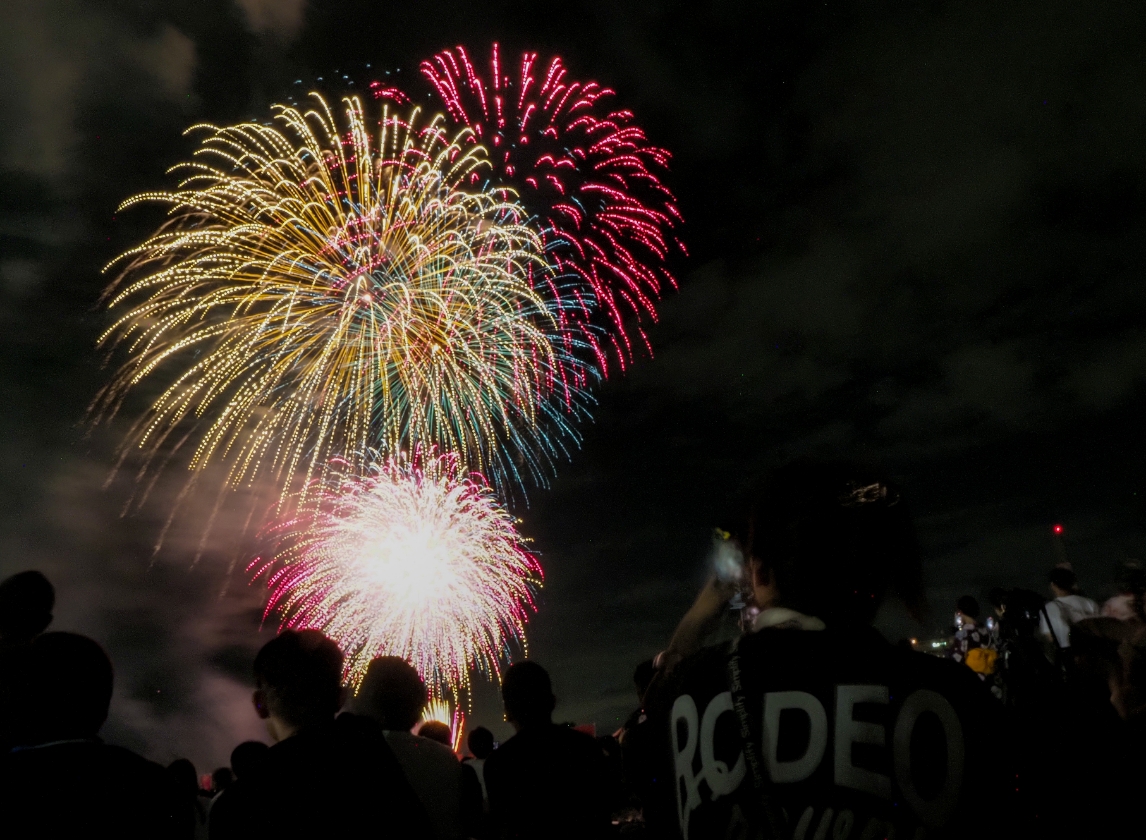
column 325, row 776
column 246, row 758
column 638, row 741
column 1128, row 604
column 480, row 742
column 26, row 603
column 62, row 780
column 547, row 781
column 393, row 694
column 192, row 810
column 438, row 731
column 973, row 645
column 772, row 733
column 1066, row 609
column 221, row 779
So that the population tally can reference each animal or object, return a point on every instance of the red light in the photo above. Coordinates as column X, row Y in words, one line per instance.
column 1057, row 529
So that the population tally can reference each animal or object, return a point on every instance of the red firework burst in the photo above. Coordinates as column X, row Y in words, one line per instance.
column 590, row 174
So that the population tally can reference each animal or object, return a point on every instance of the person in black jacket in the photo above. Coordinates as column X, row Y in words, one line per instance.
column 61, row 780
column 547, row 781
column 325, row 776
column 811, row 724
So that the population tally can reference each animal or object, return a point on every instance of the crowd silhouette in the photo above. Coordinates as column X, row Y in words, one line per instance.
column 775, row 710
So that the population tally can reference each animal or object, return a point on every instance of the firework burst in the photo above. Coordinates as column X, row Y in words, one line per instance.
column 322, row 289
column 416, row 560
column 590, row 173
column 451, row 715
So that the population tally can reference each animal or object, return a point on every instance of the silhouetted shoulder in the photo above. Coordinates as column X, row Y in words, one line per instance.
column 83, row 788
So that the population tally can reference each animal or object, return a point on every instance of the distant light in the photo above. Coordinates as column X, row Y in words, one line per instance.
column 1057, row 529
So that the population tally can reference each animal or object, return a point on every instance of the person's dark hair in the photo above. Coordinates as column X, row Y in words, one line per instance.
column 246, row 758
column 182, row 774
column 642, row 676
column 393, row 692
column 480, row 742
column 836, row 538
column 26, row 603
column 69, row 683
column 997, row 597
column 1063, row 578
column 1130, row 579
column 1024, row 610
column 301, row 672
column 527, row 693
column 968, row 606
column 438, row 731
column 221, row 779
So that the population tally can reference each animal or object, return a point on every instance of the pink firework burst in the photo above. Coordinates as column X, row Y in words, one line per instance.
column 415, row 559
column 590, row 174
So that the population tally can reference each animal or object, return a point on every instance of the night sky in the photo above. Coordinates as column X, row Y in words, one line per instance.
column 917, row 235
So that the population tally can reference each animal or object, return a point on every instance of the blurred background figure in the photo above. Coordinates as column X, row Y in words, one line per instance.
column 974, row 645
column 1127, row 605
column 192, row 809
column 221, row 779
column 1067, row 608
column 481, row 744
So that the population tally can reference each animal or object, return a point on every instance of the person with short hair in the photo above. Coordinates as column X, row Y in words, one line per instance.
column 182, row 774
column 1068, row 607
column 26, row 603
column 393, row 694
column 439, row 731
column 481, row 744
column 221, row 779
column 547, row 781
column 971, row 636
column 246, row 758
column 62, row 780
column 1128, row 604
column 325, row 775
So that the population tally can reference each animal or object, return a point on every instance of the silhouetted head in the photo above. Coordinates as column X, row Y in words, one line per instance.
column 830, row 540
column 1130, row 578
column 221, row 779
column 392, row 693
column 68, row 688
column 528, row 695
column 26, row 602
column 435, row 730
column 183, row 776
column 480, row 742
column 968, row 606
column 1063, row 581
column 298, row 677
column 246, row 758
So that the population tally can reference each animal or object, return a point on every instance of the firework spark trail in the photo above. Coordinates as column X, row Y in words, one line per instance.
column 320, row 291
column 590, row 173
column 451, row 715
column 416, row 560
